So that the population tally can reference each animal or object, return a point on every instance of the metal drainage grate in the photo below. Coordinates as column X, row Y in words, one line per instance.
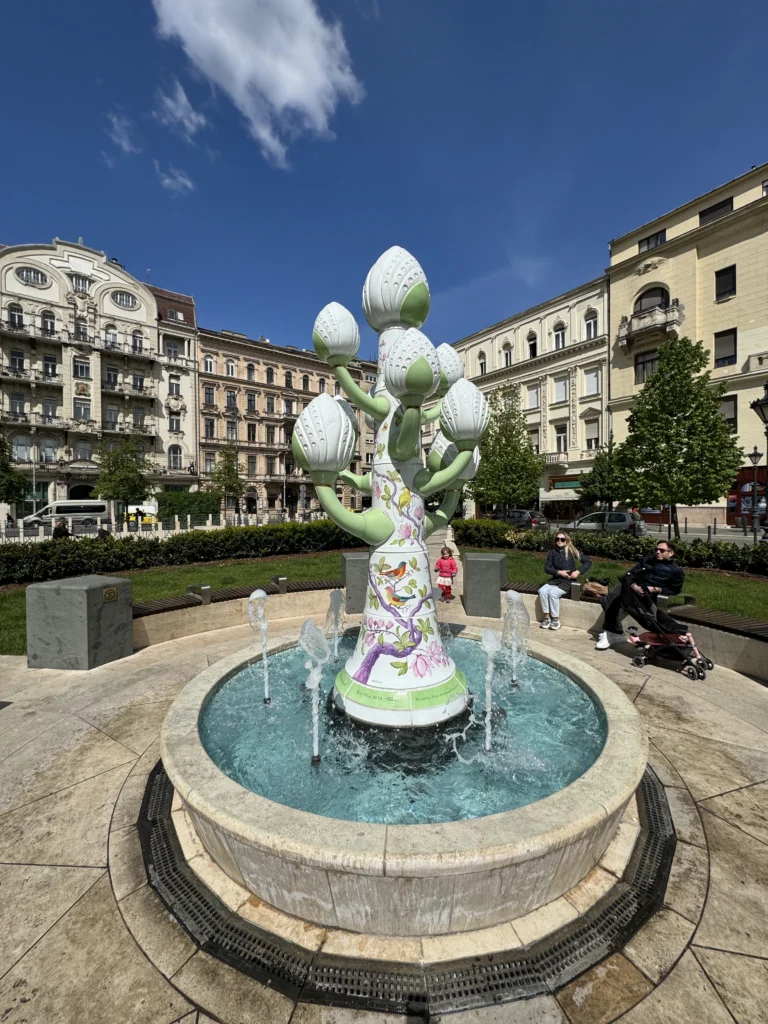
column 410, row 988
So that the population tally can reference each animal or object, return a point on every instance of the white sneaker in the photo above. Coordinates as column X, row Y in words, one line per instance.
column 545, row 623
column 554, row 624
column 607, row 639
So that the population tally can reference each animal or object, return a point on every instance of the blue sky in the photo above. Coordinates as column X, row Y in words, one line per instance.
column 262, row 153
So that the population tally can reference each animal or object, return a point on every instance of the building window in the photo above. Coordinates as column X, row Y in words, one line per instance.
column 715, row 212
column 208, row 364
column 288, row 379
column 725, row 283
column 49, row 366
column 270, row 435
column 33, row 276
column 251, row 431
column 590, row 325
column 138, row 416
column 592, row 434
column 48, row 321
column 208, row 396
column 645, row 365
column 174, row 456
column 174, row 384
column 112, row 416
column 15, row 315
column 81, row 368
column 559, row 337
column 111, row 378
column 591, row 382
column 138, row 382
column 210, row 462
column 17, row 362
column 532, row 393
column 137, row 341
column 50, row 409
column 270, row 403
column 561, row 390
column 174, row 424
column 17, row 404
column 337, row 388
column 651, row 298
column 561, row 437
column 533, row 437
column 321, row 386
column 171, row 348
column 765, row 189
column 174, row 314
column 729, row 411
column 125, row 300
column 288, row 407
column 305, row 382
column 725, row 348
column 80, row 283
column 231, row 430
column 250, row 371
column 110, row 336
column 481, row 363
column 270, row 375
column 83, row 450
column 22, row 447
column 252, row 463
column 250, row 399
column 659, row 238
column 82, row 409
column 230, row 368
column 210, row 428
column 507, row 353
column 271, row 465
column 81, row 330
column 369, row 458
column 532, row 345
column 47, row 450
column 231, row 400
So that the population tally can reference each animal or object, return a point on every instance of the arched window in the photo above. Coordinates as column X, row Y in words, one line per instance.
column 270, row 375
column 305, row 382
column 651, row 298
column 559, row 333
column 47, row 450
column 481, row 364
column 532, row 345
column 289, row 379
column 337, row 388
column 110, row 336
column 21, row 448
column 81, row 329
column 321, row 386
column 208, row 364
column 15, row 315
column 230, row 368
column 48, row 321
column 174, row 456
column 590, row 324
column 506, row 350
column 137, row 341
column 251, row 371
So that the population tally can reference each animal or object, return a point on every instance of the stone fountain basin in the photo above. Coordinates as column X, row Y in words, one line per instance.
column 407, row 879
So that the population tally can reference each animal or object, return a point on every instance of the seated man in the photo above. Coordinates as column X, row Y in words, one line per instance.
column 653, row 575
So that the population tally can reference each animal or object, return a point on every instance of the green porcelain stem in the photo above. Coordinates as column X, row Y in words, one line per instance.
column 359, row 483
column 406, row 445
column 378, row 408
column 427, row 483
column 437, row 520
column 430, row 415
column 372, row 526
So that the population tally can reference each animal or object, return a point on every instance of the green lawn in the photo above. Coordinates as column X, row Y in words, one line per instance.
column 149, row 584
column 722, row 592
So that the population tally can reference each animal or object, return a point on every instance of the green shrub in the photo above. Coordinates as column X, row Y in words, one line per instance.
column 58, row 559
column 623, row 547
column 187, row 503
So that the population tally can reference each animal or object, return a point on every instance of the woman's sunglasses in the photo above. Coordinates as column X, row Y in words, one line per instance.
column 559, row 540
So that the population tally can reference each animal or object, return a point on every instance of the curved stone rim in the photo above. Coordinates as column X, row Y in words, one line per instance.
column 412, row 851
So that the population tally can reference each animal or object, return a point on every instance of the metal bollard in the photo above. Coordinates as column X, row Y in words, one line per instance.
column 709, row 535
column 715, row 525
column 659, row 522
column 282, row 584
column 744, row 524
column 686, row 524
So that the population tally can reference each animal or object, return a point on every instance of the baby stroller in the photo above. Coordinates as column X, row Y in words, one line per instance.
column 656, row 643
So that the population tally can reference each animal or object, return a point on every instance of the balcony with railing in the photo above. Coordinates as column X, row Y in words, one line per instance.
column 129, row 387
column 662, row 319
column 128, row 348
column 31, row 327
column 145, row 426
column 556, row 458
column 176, row 360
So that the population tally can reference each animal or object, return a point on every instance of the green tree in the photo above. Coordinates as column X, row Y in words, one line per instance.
column 13, row 484
column 225, row 480
column 679, row 449
column 601, row 485
column 121, row 472
column 510, row 471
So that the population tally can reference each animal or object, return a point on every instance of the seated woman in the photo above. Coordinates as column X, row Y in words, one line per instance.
column 561, row 566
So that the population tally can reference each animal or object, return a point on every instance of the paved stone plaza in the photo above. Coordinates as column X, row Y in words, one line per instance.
column 86, row 939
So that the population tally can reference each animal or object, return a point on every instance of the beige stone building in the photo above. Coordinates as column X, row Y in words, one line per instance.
column 250, row 394
column 700, row 271
column 88, row 353
column 557, row 353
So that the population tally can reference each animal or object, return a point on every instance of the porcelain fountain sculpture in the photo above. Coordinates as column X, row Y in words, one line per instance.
column 400, row 674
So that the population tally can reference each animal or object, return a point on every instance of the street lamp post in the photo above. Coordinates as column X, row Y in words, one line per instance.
column 754, row 458
column 760, row 406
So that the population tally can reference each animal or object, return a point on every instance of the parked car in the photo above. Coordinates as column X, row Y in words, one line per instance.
column 523, row 519
column 85, row 512
column 611, row 522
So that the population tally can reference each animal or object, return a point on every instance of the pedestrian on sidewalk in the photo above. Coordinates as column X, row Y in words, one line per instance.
column 60, row 531
column 446, row 570
column 561, row 566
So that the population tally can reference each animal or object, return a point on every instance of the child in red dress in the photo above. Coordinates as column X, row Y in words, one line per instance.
column 446, row 569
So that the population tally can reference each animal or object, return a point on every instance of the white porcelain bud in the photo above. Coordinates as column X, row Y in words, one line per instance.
column 442, row 453
column 412, row 368
column 395, row 291
column 325, row 435
column 464, row 413
column 471, row 471
column 451, row 367
column 336, row 336
column 349, row 411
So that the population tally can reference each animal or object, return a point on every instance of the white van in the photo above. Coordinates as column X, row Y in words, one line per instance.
column 85, row 512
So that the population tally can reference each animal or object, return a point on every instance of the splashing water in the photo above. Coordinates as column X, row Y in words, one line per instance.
column 257, row 616
column 516, row 630
column 334, row 619
column 315, row 646
column 491, row 644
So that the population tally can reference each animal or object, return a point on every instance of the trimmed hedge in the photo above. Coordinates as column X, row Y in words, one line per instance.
column 623, row 547
column 58, row 559
column 187, row 503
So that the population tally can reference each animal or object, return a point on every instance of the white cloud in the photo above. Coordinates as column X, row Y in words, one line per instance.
column 174, row 179
column 175, row 111
column 120, row 130
column 283, row 66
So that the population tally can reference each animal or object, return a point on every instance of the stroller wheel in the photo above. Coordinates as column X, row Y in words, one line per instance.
column 632, row 630
column 639, row 661
column 701, row 673
column 710, row 664
column 691, row 672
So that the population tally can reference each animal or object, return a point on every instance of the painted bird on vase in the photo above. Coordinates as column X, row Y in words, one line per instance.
column 397, row 573
column 404, row 500
column 398, row 600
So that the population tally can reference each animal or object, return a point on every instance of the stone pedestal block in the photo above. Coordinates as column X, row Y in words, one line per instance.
column 354, row 575
column 79, row 623
column 484, row 576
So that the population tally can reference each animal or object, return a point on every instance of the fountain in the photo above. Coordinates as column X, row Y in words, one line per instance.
column 412, row 825
column 334, row 619
column 257, row 616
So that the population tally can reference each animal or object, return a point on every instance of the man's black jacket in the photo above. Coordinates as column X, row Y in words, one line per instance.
column 650, row 572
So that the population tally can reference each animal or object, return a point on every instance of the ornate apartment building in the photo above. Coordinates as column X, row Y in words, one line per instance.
column 556, row 352
column 700, row 271
column 250, row 394
column 88, row 353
